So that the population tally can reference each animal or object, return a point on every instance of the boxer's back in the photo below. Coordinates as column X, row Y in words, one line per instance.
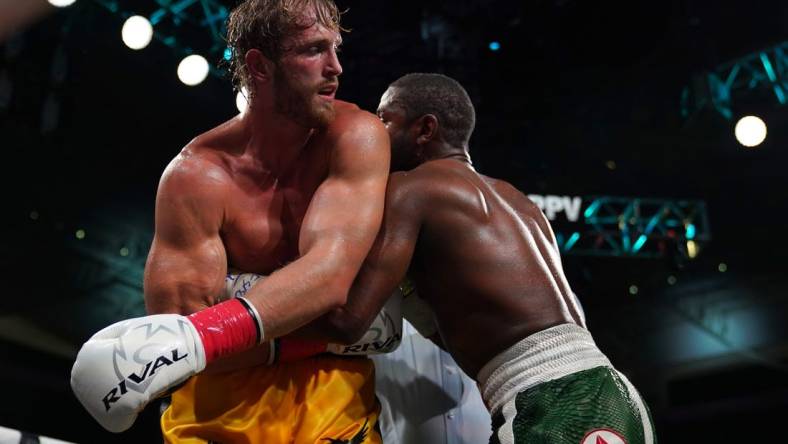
column 487, row 262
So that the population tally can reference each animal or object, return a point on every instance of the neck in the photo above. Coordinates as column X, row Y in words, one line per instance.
column 273, row 139
column 446, row 151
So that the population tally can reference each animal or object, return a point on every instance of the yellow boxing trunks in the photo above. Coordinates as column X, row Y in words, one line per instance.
column 324, row 399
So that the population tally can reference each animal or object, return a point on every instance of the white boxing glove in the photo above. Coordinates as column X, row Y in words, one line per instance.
column 126, row 365
column 238, row 283
column 383, row 335
column 123, row 367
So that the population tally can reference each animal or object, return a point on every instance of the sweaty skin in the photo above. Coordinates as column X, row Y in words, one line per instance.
column 218, row 205
column 293, row 188
column 481, row 254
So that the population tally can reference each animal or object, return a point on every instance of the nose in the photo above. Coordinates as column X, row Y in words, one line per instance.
column 333, row 67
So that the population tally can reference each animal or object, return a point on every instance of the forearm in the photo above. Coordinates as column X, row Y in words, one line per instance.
column 329, row 328
column 343, row 326
column 351, row 329
column 301, row 292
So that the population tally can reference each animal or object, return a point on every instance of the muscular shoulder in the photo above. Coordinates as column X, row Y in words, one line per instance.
column 440, row 180
column 196, row 170
column 502, row 187
column 438, row 186
column 352, row 125
column 357, row 143
column 516, row 198
column 191, row 197
column 409, row 191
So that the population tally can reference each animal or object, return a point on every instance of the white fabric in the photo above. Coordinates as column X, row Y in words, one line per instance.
column 543, row 356
column 426, row 398
column 506, row 431
column 419, row 313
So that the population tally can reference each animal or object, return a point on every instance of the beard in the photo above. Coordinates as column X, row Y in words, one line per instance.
column 300, row 102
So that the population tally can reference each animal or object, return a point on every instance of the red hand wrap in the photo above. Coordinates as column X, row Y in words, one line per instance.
column 294, row 349
column 225, row 329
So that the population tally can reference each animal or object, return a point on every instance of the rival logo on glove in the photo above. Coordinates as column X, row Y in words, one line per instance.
column 154, row 365
column 389, row 344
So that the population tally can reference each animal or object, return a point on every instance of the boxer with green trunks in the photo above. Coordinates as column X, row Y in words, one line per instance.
column 485, row 261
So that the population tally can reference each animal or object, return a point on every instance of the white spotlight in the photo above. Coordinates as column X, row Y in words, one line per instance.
column 193, row 70
column 137, row 32
column 61, row 3
column 241, row 101
column 750, row 131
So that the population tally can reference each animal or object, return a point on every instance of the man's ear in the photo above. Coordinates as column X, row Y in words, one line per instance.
column 427, row 128
column 260, row 67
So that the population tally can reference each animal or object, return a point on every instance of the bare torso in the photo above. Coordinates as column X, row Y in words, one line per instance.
column 487, row 262
column 261, row 210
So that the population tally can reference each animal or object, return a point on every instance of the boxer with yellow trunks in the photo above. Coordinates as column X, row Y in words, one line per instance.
column 325, row 398
column 293, row 188
column 319, row 399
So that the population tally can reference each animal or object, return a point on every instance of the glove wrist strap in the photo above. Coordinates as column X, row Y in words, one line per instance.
column 227, row 328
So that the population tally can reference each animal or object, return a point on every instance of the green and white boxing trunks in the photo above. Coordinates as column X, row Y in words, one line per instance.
column 556, row 387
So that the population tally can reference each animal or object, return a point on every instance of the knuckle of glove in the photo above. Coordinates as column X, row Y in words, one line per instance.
column 115, row 375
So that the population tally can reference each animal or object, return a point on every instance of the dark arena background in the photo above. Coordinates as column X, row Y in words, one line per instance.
column 617, row 117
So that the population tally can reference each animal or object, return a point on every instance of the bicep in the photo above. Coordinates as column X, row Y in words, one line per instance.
column 345, row 212
column 187, row 263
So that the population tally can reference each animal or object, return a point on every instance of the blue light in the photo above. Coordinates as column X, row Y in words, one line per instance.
column 767, row 65
column 639, row 243
column 572, row 241
column 591, row 209
column 690, row 231
column 228, row 53
column 495, row 46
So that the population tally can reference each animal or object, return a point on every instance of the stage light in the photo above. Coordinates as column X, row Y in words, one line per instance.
column 80, row 234
column 137, row 32
column 692, row 249
column 124, row 251
column 690, row 232
column 495, row 46
column 61, row 3
column 639, row 243
column 633, row 289
column 241, row 101
column 723, row 267
column 572, row 241
column 193, row 70
column 592, row 209
column 672, row 280
column 750, row 131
